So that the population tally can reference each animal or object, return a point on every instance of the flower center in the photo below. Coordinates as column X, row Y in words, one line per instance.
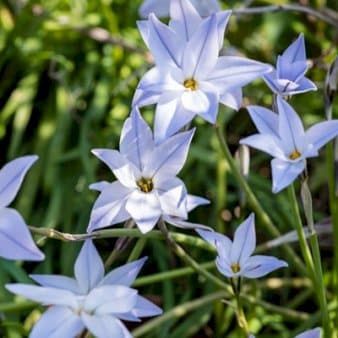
column 190, row 84
column 145, row 184
column 295, row 154
column 235, row 267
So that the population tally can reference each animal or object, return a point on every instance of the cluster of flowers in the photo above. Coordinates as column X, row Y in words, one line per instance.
column 189, row 78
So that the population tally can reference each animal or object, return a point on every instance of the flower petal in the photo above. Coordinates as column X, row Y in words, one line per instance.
column 224, row 267
column 284, row 173
column 104, row 326
column 222, row 20
column 145, row 308
column 125, row 171
column 88, row 268
column 136, row 139
column 109, row 208
column 168, row 158
column 195, row 201
column 16, row 241
column 56, row 322
column 233, row 71
column 201, row 52
column 296, row 51
column 290, row 127
column 244, row 242
column 265, row 120
column 213, row 237
column 145, row 209
column 125, row 274
column 164, row 43
column 314, row 333
column 11, row 177
column 321, row 133
column 258, row 266
column 57, row 281
column 232, row 98
column 110, row 299
column 44, row 295
column 99, row 186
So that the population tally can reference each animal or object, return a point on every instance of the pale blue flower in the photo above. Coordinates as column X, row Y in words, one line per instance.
column 288, row 78
column 235, row 257
column 147, row 187
column 15, row 239
column 90, row 300
column 161, row 7
column 283, row 137
column 314, row 333
column 190, row 78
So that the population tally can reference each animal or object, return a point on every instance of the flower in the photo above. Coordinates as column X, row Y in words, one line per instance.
column 190, row 78
column 90, row 300
column 234, row 257
column 147, row 187
column 314, row 333
column 161, row 7
column 288, row 78
column 15, row 239
column 283, row 137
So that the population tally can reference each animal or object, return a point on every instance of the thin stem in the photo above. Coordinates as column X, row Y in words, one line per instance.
column 254, row 203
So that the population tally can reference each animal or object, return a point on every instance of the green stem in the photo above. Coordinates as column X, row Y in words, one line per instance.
column 240, row 314
column 304, row 248
column 254, row 203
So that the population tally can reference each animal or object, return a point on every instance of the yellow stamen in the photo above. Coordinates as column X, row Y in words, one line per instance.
column 190, row 84
column 295, row 154
column 235, row 267
column 145, row 184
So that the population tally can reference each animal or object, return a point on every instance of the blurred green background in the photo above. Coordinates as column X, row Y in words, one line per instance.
column 68, row 70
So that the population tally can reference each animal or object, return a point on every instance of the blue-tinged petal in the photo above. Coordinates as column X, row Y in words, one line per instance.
column 160, row 8
column 244, row 242
column 56, row 322
column 290, row 127
column 11, row 177
column 232, row 98
column 168, row 157
column 44, row 295
column 57, row 281
column 201, row 52
column 222, row 20
column 265, row 120
column 143, row 27
column 196, row 101
column 16, row 241
column 88, row 268
column 224, row 267
column 170, row 116
column 195, row 201
column 296, row 51
column 314, row 333
column 124, row 170
column 271, row 80
column 208, row 113
column 212, row 237
column 258, row 266
column 110, row 299
column 291, row 71
column 265, row 142
column 103, row 326
column 125, row 274
column 99, row 186
column 284, row 173
column 164, row 43
column 206, row 7
column 137, row 139
column 172, row 195
column 179, row 222
column 184, row 18
column 109, row 208
column 145, row 308
column 145, row 209
column 304, row 85
column 234, row 71
column 321, row 133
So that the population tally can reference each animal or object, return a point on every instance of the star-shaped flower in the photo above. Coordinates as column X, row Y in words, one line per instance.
column 314, row 333
column 288, row 78
column 190, row 78
column 161, row 7
column 235, row 257
column 15, row 239
column 283, row 137
column 147, row 186
column 90, row 300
